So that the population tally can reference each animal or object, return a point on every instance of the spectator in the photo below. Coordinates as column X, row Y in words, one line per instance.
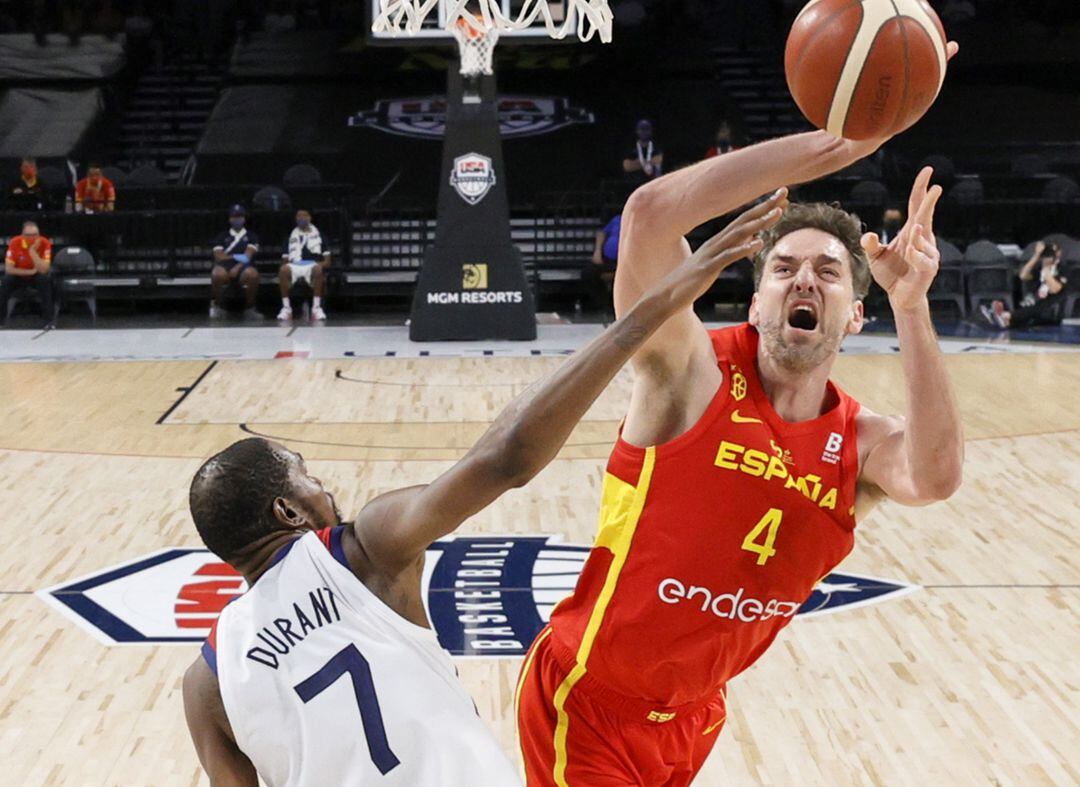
column 891, row 222
column 1044, row 293
column 234, row 272
column 308, row 260
column 645, row 160
column 27, row 194
column 724, row 142
column 27, row 264
column 95, row 193
column 604, row 257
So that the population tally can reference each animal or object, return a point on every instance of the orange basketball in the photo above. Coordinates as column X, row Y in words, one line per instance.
column 865, row 68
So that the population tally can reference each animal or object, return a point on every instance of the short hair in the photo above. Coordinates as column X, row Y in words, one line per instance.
column 93, row 165
column 232, row 495
column 31, row 223
column 845, row 227
column 29, row 160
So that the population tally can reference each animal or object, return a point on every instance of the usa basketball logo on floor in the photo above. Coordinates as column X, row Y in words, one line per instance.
column 486, row 596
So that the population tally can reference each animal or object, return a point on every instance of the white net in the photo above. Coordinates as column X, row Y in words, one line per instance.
column 476, row 46
column 589, row 18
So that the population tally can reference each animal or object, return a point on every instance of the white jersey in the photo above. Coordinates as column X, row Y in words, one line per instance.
column 323, row 684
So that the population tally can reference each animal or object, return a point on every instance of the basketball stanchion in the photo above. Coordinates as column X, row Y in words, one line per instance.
column 472, row 284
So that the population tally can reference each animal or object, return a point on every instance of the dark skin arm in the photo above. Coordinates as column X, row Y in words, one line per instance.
column 387, row 542
column 219, row 755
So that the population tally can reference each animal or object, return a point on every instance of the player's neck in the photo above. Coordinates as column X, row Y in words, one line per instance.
column 258, row 557
column 795, row 395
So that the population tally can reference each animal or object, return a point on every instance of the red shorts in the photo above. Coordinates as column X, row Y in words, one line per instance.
column 575, row 732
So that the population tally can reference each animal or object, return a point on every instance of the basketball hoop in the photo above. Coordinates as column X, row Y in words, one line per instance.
column 589, row 17
column 476, row 45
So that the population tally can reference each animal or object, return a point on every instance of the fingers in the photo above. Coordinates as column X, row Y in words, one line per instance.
column 758, row 218
column 918, row 191
column 951, row 49
column 926, row 255
column 871, row 244
column 926, row 211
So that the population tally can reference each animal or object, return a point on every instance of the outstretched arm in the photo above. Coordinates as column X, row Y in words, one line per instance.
column 917, row 459
column 396, row 528
column 659, row 215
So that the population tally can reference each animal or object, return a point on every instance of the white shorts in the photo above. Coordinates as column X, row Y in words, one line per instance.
column 302, row 270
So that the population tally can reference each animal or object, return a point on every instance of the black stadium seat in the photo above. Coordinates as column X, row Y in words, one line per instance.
column 271, row 198
column 1061, row 190
column 989, row 275
column 301, row 175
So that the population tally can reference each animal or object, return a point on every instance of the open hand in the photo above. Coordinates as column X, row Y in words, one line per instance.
column 737, row 240
column 907, row 266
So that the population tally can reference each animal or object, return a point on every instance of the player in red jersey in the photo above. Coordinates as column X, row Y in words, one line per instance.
column 734, row 485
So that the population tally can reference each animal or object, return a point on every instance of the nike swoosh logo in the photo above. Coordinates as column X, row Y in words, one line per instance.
column 712, row 727
column 742, row 419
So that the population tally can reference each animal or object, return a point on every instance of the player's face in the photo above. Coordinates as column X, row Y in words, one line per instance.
column 310, row 495
column 805, row 304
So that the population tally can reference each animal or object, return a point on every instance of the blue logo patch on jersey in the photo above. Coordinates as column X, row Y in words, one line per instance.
column 486, row 596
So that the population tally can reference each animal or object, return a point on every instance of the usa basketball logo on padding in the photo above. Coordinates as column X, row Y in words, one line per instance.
column 472, row 177
column 486, row 596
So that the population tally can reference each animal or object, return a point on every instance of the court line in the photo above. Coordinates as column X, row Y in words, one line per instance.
column 340, row 376
column 130, row 455
column 185, row 393
column 245, row 428
column 1005, row 587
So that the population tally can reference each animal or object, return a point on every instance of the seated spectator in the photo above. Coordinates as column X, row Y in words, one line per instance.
column 724, row 142
column 27, row 194
column 27, row 264
column 604, row 258
column 892, row 219
column 95, row 193
column 307, row 259
column 234, row 272
column 645, row 160
column 1044, row 293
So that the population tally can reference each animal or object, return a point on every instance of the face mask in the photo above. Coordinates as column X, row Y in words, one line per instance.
column 29, row 171
column 236, row 224
column 303, row 223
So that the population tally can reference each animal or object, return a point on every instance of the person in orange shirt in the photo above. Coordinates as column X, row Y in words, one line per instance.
column 27, row 264
column 95, row 193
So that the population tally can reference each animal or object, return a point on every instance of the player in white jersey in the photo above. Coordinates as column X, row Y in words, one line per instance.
column 325, row 671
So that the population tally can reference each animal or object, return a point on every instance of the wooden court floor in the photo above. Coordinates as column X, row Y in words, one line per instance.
column 972, row 680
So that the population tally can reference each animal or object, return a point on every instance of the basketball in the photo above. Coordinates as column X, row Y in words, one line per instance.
column 862, row 69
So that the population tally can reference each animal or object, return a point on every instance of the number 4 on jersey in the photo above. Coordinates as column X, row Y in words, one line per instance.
column 350, row 661
column 770, row 523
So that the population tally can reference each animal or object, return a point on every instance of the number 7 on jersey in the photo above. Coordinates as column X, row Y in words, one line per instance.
column 351, row 661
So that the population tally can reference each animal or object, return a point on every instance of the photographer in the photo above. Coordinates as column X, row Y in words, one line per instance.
column 1044, row 292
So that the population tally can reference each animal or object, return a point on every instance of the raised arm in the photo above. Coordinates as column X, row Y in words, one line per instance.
column 917, row 459
column 398, row 527
column 658, row 216
column 1027, row 271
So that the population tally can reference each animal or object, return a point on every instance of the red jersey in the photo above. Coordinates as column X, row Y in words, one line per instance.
column 95, row 196
column 709, row 544
column 18, row 251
